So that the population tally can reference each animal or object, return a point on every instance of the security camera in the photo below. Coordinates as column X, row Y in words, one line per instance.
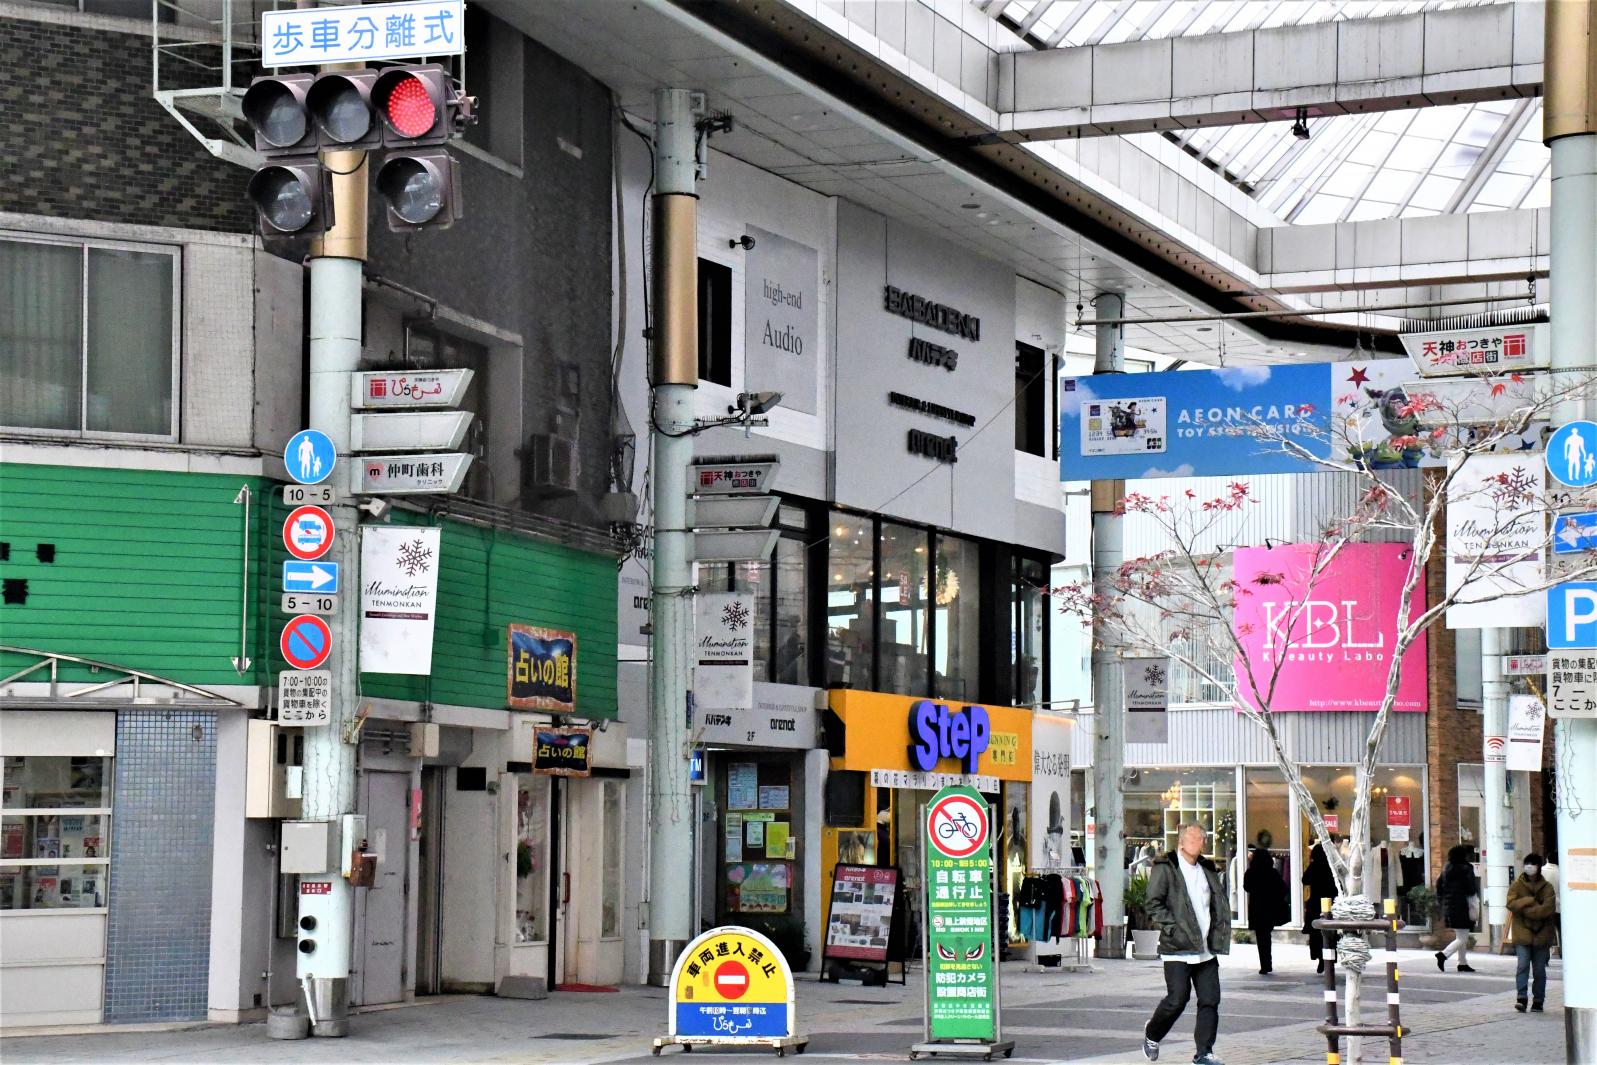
column 379, row 509
column 752, row 404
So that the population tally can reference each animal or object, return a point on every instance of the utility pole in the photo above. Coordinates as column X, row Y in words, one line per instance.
column 1494, row 722
column 674, row 377
column 1570, row 130
column 1108, row 683
column 336, row 262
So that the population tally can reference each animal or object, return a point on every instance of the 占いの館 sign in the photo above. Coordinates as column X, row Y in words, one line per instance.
column 542, row 669
column 961, row 968
column 731, row 985
column 562, row 752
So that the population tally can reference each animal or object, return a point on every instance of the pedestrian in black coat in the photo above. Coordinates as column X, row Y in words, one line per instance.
column 1267, row 903
column 1321, row 882
column 1457, row 885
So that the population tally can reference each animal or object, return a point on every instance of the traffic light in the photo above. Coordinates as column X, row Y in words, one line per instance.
column 292, row 197
column 275, row 108
column 422, row 189
column 418, row 106
column 340, row 106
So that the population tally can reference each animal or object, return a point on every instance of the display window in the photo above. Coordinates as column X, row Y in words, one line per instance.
column 533, row 834
column 55, row 832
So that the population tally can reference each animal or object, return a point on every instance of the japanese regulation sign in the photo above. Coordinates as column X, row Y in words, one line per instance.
column 562, row 752
column 731, row 985
column 961, row 974
column 292, row 37
column 1572, row 684
column 304, row 697
column 542, row 669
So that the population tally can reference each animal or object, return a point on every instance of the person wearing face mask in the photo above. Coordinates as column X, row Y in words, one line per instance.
column 1531, row 901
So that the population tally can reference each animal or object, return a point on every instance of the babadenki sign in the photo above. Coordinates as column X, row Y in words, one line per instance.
column 1334, row 641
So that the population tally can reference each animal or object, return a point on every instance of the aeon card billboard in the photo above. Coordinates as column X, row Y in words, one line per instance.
column 1334, row 641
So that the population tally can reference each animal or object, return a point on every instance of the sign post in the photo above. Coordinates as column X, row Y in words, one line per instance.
column 961, row 945
column 732, row 986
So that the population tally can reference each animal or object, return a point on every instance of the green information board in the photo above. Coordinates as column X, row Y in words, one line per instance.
column 961, row 963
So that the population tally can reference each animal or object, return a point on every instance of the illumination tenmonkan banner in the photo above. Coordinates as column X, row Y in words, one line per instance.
column 1334, row 640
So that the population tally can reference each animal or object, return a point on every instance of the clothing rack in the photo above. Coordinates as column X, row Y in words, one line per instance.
column 1075, row 960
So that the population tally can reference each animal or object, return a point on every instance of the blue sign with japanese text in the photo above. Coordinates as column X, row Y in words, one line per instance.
column 362, row 33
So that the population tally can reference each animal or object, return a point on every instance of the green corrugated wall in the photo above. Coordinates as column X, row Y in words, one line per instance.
column 147, row 576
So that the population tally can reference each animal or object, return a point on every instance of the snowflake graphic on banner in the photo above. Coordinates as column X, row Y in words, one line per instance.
column 413, row 557
column 735, row 616
column 1514, row 488
column 1153, row 676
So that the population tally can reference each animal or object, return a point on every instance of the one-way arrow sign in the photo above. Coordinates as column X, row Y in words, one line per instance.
column 310, row 577
column 1575, row 533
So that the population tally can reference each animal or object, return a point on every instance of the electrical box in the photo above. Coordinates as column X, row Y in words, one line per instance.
column 425, row 739
column 272, row 755
column 311, row 847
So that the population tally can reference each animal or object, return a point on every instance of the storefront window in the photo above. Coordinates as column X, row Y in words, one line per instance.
column 1269, row 826
column 1397, row 856
column 849, row 639
column 906, row 619
column 1159, row 802
column 790, row 662
column 959, row 636
column 1030, row 613
column 532, row 858
column 1017, row 846
column 610, row 919
column 55, row 832
column 759, row 850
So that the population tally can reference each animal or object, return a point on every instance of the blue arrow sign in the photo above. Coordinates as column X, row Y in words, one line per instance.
column 309, row 456
column 1574, row 533
column 318, row 577
column 1572, row 454
column 1572, row 616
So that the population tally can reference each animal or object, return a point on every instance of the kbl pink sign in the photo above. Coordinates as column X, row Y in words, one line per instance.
column 1334, row 641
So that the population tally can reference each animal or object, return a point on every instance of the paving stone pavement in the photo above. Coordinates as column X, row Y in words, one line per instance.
column 1094, row 1017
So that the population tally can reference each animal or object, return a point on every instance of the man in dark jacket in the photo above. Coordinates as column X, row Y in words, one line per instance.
column 1187, row 903
column 1532, row 902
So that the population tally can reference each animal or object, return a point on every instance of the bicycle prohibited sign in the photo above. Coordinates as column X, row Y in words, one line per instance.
column 957, row 826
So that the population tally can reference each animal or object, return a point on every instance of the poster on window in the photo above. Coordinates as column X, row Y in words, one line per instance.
column 723, row 651
column 398, row 598
column 861, row 916
column 1050, row 791
column 1147, row 699
column 781, row 318
column 1495, row 530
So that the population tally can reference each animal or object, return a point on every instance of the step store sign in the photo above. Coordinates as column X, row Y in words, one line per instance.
column 731, row 985
column 961, row 971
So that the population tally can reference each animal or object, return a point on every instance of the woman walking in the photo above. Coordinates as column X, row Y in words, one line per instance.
column 1458, row 892
column 1267, row 903
column 1321, row 882
column 1532, row 901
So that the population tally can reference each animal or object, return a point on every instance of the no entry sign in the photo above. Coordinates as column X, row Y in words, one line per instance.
column 308, row 532
column 306, row 641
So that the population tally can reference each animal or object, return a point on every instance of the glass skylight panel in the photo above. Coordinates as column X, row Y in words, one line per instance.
column 1435, row 192
column 1390, row 186
column 1414, row 153
column 1372, row 148
column 1502, row 191
column 1050, row 20
column 1322, row 208
column 1094, row 17
column 1347, row 179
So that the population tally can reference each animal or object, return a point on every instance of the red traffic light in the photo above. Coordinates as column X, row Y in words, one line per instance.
column 413, row 104
column 410, row 111
column 275, row 108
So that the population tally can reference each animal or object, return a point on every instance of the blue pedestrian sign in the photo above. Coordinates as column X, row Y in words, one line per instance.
column 318, row 577
column 1574, row 533
column 309, row 456
column 1572, row 616
column 1572, row 454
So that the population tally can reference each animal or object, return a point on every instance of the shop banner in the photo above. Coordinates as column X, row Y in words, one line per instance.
column 1495, row 530
column 1398, row 818
column 1333, row 641
column 562, row 752
column 861, row 921
column 783, row 716
column 1488, row 349
column 1527, row 724
column 781, row 318
column 961, row 973
column 1050, row 791
column 731, row 985
column 1234, row 420
column 542, row 671
column 398, row 598
column 723, row 655
column 1147, row 687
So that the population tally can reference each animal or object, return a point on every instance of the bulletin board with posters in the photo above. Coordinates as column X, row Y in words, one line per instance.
column 759, row 837
column 865, row 923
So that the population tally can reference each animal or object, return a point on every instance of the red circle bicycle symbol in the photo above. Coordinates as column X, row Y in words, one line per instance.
column 957, row 826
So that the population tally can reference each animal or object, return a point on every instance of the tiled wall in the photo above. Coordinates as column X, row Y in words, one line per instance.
column 157, row 948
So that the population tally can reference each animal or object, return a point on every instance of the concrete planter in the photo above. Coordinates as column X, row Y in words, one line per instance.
column 1144, row 944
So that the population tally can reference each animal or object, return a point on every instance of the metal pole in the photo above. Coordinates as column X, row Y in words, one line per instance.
column 1497, row 845
column 1108, row 693
column 1570, row 130
column 1333, row 1042
column 674, row 378
column 335, row 328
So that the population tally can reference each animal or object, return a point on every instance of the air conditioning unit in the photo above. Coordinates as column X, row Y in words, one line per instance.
column 549, row 465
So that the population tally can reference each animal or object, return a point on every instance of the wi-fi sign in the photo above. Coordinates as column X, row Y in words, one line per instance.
column 1494, row 748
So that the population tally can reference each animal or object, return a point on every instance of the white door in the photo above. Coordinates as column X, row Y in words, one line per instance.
column 380, row 909
column 589, row 932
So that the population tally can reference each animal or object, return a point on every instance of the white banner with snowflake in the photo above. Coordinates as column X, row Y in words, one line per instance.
column 1494, row 542
column 398, row 599
column 1147, row 699
column 723, row 651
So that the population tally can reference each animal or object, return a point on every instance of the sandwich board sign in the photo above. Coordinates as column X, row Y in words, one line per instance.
column 732, row 986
